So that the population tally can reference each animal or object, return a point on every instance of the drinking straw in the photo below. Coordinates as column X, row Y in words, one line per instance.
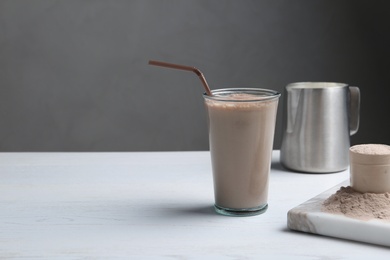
column 187, row 68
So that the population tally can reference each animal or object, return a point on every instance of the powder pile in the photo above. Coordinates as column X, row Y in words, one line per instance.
column 373, row 149
column 358, row 205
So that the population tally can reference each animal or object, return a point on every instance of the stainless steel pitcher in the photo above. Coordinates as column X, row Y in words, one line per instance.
column 318, row 119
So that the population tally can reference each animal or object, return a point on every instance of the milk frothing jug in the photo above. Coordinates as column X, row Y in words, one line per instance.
column 318, row 120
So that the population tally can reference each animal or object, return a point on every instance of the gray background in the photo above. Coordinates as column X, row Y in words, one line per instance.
column 74, row 74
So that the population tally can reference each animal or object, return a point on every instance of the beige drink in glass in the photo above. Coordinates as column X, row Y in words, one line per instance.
column 241, row 131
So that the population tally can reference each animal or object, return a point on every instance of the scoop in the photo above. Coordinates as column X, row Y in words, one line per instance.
column 370, row 168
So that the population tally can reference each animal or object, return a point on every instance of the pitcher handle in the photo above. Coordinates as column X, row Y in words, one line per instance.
column 354, row 110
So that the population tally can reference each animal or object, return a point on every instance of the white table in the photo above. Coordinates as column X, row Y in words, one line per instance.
column 150, row 205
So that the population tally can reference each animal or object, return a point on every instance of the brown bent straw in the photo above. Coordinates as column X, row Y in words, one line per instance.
column 187, row 68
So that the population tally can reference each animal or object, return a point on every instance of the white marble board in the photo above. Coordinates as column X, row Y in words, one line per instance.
column 309, row 218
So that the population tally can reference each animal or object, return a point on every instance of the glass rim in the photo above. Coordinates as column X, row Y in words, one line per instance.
column 263, row 94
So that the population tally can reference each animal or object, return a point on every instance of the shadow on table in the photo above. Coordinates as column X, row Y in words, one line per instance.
column 186, row 211
column 277, row 166
column 206, row 210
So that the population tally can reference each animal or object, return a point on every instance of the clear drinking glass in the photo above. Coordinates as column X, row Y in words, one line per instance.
column 241, row 125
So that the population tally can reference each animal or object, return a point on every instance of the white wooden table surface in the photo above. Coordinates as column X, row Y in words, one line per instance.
column 150, row 205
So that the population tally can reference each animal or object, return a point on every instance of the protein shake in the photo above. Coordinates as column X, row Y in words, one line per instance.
column 241, row 132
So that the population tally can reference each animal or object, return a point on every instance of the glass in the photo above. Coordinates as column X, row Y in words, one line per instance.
column 241, row 125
